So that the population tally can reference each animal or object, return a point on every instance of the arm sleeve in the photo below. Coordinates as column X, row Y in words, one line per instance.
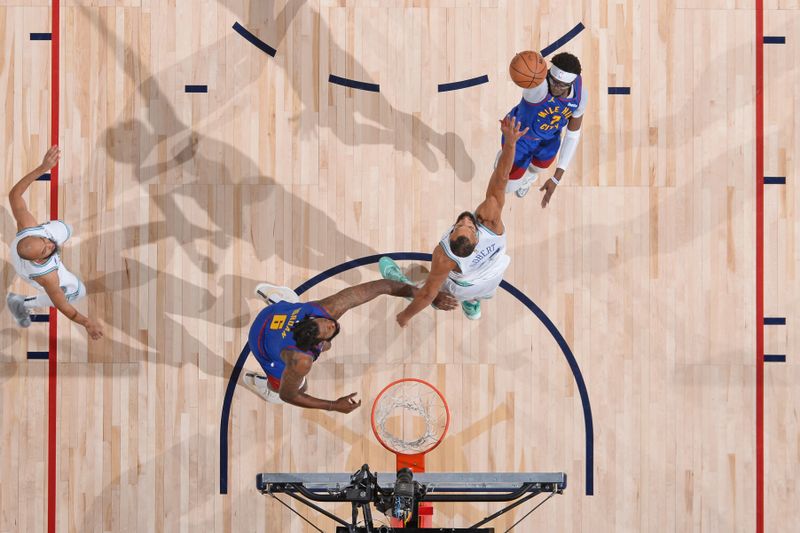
column 582, row 106
column 536, row 94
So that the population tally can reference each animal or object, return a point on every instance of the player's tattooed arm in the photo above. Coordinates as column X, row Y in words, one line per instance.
column 357, row 295
column 292, row 391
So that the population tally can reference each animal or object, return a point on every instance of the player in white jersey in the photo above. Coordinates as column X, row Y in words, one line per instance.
column 35, row 256
column 470, row 259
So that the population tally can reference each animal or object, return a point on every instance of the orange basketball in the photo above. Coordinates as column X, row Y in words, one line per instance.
column 528, row 69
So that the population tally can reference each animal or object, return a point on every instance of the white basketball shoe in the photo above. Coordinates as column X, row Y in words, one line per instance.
column 260, row 385
column 272, row 294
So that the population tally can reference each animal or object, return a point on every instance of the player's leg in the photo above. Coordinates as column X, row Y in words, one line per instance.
column 522, row 159
column 524, row 148
column 484, row 289
column 391, row 271
column 541, row 158
column 16, row 305
column 264, row 385
column 466, row 295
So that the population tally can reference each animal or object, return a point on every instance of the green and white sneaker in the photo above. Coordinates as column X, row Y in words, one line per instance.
column 390, row 270
column 472, row 309
column 274, row 293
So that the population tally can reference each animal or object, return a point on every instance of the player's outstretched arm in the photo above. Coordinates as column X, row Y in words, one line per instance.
column 441, row 266
column 351, row 297
column 491, row 208
column 298, row 365
column 49, row 283
column 19, row 208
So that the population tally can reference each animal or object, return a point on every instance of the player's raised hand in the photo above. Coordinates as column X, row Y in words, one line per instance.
column 511, row 128
column 50, row 158
column 346, row 404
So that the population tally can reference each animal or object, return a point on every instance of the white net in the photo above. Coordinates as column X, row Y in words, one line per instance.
column 410, row 417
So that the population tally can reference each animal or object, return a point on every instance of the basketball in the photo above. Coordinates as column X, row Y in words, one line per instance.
column 528, row 69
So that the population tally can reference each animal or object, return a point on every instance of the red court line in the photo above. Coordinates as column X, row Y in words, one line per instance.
column 52, row 391
column 759, row 266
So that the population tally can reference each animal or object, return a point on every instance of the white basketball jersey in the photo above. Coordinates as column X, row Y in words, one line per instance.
column 59, row 233
column 486, row 261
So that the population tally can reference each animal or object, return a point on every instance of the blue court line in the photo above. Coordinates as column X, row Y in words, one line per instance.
column 774, row 39
column 619, row 90
column 774, row 321
column 774, row 180
column 38, row 355
column 40, row 318
column 225, row 419
column 588, row 424
column 564, row 39
column 364, row 86
column 774, row 358
column 463, row 84
column 258, row 43
column 196, row 88
column 416, row 256
column 44, row 177
column 41, row 36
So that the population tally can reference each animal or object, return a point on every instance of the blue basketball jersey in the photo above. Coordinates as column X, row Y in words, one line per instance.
column 271, row 333
column 547, row 118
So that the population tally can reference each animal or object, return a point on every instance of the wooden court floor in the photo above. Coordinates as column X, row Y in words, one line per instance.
column 645, row 260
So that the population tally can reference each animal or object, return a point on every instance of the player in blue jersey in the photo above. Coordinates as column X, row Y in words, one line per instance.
column 548, row 109
column 287, row 337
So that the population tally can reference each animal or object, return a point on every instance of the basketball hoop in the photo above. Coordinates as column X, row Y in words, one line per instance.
column 410, row 418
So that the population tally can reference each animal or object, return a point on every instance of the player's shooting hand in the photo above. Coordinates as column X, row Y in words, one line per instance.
column 549, row 188
column 444, row 301
column 50, row 158
column 346, row 404
column 511, row 128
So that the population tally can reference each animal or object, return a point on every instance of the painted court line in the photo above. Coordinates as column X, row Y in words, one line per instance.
column 52, row 389
column 759, row 105
column 354, row 84
column 564, row 39
column 255, row 41
column 463, row 84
